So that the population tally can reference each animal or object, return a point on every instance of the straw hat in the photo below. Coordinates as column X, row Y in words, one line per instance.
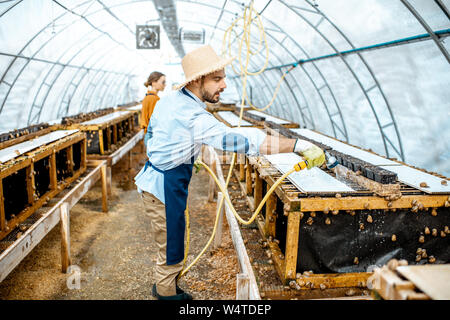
column 200, row 62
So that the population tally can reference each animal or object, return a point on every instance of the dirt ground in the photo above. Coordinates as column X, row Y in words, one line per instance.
column 115, row 254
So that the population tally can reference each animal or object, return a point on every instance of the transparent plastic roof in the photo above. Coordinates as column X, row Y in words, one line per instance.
column 374, row 73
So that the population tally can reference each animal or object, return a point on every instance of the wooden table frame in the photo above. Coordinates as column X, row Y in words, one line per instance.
column 111, row 128
column 254, row 171
column 49, row 218
column 27, row 162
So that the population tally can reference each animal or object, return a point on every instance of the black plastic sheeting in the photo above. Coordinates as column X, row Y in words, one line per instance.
column 332, row 248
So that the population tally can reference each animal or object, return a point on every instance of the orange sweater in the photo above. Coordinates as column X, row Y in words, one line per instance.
column 148, row 105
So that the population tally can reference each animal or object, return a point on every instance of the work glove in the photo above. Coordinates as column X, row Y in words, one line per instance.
column 312, row 153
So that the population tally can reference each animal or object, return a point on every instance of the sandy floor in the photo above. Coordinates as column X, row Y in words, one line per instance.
column 115, row 254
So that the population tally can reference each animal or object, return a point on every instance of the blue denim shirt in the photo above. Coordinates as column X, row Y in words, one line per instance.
column 177, row 130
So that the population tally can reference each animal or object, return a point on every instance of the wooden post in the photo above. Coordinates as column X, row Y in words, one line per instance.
column 65, row 236
column 218, row 236
column 115, row 138
column 271, row 217
column 69, row 153
column 100, row 141
column 104, row 189
column 129, row 160
column 31, row 186
column 53, row 174
column 109, row 180
column 2, row 208
column 293, row 229
column 242, row 286
column 83, row 153
column 257, row 192
column 248, row 178
column 241, row 167
column 212, row 184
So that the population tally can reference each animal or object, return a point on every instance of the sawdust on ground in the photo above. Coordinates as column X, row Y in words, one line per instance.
column 114, row 251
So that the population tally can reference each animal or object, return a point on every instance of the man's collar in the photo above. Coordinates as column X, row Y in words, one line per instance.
column 193, row 96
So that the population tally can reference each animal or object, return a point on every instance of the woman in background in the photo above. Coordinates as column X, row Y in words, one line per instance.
column 156, row 82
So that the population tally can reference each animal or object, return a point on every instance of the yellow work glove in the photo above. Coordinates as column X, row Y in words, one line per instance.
column 312, row 153
column 314, row 156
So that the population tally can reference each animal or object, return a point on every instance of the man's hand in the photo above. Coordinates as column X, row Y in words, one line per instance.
column 312, row 153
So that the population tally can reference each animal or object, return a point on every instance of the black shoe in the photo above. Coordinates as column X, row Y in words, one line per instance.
column 181, row 295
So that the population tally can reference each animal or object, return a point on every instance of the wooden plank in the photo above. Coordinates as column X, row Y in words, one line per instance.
column 69, row 152
column 65, row 237
column 118, row 154
column 244, row 261
column 17, row 251
column 31, row 187
column 370, row 202
column 104, row 190
column 248, row 178
column 2, row 208
column 271, row 216
column 100, row 141
column 242, row 286
column 53, row 174
column 257, row 191
column 433, row 280
column 218, row 236
column 292, row 237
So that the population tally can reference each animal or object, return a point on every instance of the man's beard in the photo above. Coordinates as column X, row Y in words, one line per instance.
column 208, row 96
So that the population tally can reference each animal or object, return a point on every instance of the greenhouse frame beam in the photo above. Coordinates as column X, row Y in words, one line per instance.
column 427, row 28
column 167, row 11
column 38, row 50
column 263, row 76
column 398, row 150
column 63, row 109
column 422, row 37
column 444, row 9
column 35, row 118
column 334, row 124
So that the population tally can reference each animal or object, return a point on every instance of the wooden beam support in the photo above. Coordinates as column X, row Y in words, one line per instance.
column 292, row 237
column 65, row 237
column 104, row 188
column 248, row 178
column 271, row 216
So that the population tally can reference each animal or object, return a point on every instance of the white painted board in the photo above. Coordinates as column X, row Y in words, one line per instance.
column 313, row 180
column 268, row 117
column 233, row 119
column 413, row 177
column 134, row 108
column 26, row 146
column 346, row 149
column 105, row 118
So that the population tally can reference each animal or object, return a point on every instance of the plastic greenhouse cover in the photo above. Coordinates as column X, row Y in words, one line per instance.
column 91, row 47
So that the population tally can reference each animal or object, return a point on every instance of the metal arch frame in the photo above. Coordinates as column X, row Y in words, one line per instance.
column 64, row 112
column 444, row 9
column 29, row 59
column 384, row 137
column 12, row 6
column 281, row 31
column 90, row 88
column 377, row 85
column 427, row 28
column 111, row 89
column 34, row 118
column 334, row 125
column 266, row 81
column 36, row 52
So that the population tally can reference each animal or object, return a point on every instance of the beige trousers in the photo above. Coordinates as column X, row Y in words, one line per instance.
column 165, row 276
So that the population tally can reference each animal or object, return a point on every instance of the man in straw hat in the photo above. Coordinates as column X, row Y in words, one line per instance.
column 177, row 130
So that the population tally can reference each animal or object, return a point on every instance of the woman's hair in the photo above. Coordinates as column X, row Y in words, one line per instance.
column 154, row 76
